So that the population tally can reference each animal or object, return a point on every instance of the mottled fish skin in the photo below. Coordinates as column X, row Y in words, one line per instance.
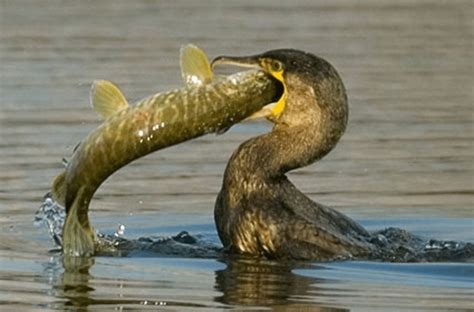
column 155, row 122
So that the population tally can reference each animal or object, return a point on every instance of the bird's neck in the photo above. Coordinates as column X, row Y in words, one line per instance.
column 261, row 160
column 308, row 129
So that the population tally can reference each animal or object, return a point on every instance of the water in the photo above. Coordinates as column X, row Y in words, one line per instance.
column 405, row 161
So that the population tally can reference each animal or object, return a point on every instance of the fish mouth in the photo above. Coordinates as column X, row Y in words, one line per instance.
column 273, row 110
column 253, row 61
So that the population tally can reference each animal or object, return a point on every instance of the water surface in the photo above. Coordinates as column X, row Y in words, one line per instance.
column 406, row 159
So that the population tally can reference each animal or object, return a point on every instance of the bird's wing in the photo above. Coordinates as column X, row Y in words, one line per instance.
column 314, row 213
column 309, row 240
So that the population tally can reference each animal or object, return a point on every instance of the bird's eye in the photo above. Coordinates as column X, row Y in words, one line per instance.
column 276, row 66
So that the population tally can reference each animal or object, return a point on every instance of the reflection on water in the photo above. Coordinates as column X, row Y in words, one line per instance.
column 405, row 161
column 259, row 282
column 142, row 283
column 243, row 282
column 74, row 282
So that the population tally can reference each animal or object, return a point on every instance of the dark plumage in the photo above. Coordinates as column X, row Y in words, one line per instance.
column 258, row 210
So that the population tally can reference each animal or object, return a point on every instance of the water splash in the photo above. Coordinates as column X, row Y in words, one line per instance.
column 51, row 215
column 391, row 244
column 397, row 245
column 120, row 231
column 441, row 245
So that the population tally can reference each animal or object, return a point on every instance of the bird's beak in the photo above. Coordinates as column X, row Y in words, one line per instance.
column 241, row 61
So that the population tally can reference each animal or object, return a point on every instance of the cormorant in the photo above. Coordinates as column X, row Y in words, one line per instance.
column 258, row 211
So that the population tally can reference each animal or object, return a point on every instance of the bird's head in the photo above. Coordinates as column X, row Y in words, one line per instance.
column 310, row 84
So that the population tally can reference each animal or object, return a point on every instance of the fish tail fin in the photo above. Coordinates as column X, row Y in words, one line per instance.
column 79, row 238
column 58, row 189
column 106, row 98
column 195, row 66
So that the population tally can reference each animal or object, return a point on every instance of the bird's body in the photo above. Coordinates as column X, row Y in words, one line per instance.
column 258, row 210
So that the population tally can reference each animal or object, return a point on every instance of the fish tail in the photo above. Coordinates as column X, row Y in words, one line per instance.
column 79, row 238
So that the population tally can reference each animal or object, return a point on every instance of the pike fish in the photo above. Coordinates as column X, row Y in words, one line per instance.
column 204, row 105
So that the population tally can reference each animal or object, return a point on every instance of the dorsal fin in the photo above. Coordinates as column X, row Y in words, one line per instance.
column 195, row 67
column 106, row 98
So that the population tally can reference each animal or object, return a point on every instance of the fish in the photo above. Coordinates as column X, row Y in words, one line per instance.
column 206, row 104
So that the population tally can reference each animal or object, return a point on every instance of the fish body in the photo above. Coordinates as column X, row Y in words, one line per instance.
column 156, row 122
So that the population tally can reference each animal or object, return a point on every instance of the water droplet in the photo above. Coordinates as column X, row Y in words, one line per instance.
column 120, row 230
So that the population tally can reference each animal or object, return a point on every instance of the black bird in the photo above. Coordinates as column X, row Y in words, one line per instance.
column 258, row 211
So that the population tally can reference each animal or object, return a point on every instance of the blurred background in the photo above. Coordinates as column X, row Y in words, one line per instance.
column 406, row 159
